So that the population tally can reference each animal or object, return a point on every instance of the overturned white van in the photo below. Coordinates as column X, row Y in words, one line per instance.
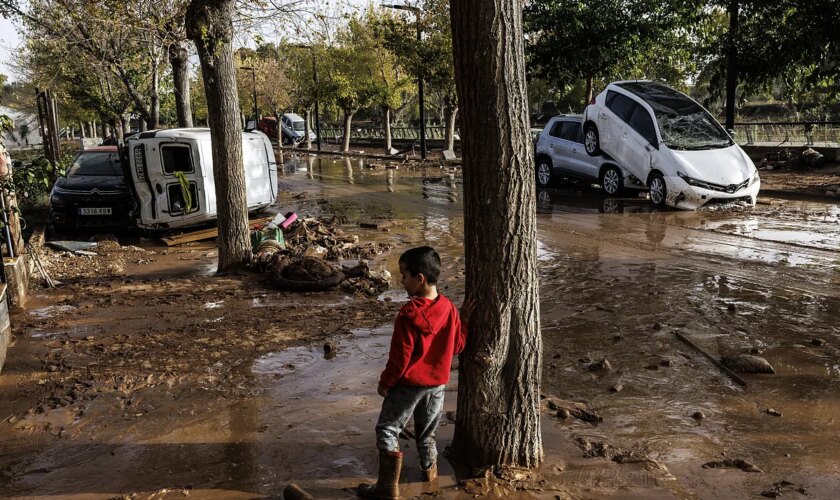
column 172, row 176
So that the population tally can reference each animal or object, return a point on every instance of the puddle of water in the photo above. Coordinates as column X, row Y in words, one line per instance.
column 50, row 311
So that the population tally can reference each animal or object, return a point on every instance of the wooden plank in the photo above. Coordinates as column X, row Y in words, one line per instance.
column 206, row 234
column 714, row 361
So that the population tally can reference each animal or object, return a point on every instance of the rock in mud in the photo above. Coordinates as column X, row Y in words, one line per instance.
column 772, row 412
column 602, row 365
column 732, row 463
column 817, row 342
column 698, row 415
column 657, row 326
column 616, row 388
column 563, row 413
column 747, row 363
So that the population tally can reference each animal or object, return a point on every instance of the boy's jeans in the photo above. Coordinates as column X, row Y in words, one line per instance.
column 426, row 404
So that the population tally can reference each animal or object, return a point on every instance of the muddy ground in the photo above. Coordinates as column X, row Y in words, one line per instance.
column 145, row 376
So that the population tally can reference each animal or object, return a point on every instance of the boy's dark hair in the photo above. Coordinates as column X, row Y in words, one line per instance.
column 423, row 260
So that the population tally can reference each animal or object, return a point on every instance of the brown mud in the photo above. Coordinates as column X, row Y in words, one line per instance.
column 156, row 379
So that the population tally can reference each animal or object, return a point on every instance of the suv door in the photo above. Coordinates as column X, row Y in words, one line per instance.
column 554, row 147
column 612, row 119
column 638, row 140
column 571, row 136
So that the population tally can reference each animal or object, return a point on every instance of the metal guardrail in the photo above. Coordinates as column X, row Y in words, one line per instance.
column 823, row 133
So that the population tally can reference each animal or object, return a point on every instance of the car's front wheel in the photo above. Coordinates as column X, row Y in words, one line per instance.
column 658, row 190
column 612, row 181
column 544, row 172
column 591, row 141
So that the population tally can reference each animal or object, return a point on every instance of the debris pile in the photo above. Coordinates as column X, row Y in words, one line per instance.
column 103, row 257
column 300, row 261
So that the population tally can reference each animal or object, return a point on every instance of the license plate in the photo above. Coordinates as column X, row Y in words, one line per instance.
column 95, row 211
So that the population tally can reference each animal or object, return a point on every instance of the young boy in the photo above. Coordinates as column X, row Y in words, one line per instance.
column 427, row 333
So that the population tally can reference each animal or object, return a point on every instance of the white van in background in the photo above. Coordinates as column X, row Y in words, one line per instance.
column 172, row 176
column 293, row 129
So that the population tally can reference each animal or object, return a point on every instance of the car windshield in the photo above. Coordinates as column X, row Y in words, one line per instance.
column 297, row 126
column 96, row 163
column 683, row 123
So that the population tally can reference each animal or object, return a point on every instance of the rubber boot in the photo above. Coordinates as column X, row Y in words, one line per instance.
column 430, row 479
column 388, row 483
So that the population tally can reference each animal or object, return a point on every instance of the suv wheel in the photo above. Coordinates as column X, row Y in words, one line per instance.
column 612, row 181
column 591, row 142
column 544, row 172
column 658, row 190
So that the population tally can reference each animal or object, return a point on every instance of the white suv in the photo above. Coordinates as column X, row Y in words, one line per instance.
column 560, row 153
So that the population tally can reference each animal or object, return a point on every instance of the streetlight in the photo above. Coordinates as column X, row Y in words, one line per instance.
column 315, row 81
column 416, row 11
column 254, row 84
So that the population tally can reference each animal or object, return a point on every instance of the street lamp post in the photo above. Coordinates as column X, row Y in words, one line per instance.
column 416, row 11
column 254, row 85
column 315, row 81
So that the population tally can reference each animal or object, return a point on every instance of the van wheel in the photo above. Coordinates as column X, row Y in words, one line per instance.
column 544, row 172
column 612, row 181
column 658, row 190
column 591, row 142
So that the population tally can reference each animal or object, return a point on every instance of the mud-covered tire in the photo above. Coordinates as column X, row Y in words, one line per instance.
column 612, row 182
column 658, row 189
column 305, row 274
column 545, row 174
column 591, row 141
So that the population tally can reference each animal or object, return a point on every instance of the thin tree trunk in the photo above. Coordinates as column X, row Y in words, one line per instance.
column 144, row 125
column 732, row 64
column 209, row 25
column 178, row 58
column 348, row 122
column 154, row 97
column 94, row 132
column 587, row 98
column 106, row 130
column 306, row 129
column 451, row 113
column 499, row 380
column 386, row 123
column 126, row 121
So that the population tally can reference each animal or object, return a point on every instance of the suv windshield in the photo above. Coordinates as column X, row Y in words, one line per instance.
column 297, row 126
column 96, row 163
column 683, row 123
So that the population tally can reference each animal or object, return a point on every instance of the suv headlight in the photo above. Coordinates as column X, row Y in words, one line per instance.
column 755, row 178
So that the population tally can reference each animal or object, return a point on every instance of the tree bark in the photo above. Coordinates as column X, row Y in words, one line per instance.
column 178, row 59
column 348, row 122
column 306, row 129
column 209, row 25
column 126, row 121
column 499, row 380
column 450, row 114
column 154, row 98
column 386, row 123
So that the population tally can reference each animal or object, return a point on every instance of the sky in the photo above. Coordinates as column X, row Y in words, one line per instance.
column 9, row 41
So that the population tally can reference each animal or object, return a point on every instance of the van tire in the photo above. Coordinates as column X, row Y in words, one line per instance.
column 591, row 141
column 658, row 189
column 545, row 172
column 612, row 182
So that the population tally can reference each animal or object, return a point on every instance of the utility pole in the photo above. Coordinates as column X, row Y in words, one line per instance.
column 314, row 81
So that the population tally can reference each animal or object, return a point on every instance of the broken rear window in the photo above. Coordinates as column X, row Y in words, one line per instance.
column 683, row 123
column 176, row 158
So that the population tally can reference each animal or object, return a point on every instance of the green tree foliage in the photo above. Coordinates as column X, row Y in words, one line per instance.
column 572, row 40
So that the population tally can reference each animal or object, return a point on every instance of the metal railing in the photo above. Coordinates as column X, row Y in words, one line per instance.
column 333, row 134
column 824, row 133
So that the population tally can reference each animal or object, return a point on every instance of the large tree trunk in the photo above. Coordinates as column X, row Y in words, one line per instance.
column 306, row 129
column 499, row 380
column 209, row 25
column 348, row 122
column 386, row 123
column 178, row 58
column 154, row 97
column 450, row 114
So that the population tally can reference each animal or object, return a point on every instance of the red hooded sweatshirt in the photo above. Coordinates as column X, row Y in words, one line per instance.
column 427, row 333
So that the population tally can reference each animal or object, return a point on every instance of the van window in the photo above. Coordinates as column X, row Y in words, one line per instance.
column 621, row 105
column 570, row 131
column 177, row 203
column 642, row 123
column 555, row 129
column 176, row 158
